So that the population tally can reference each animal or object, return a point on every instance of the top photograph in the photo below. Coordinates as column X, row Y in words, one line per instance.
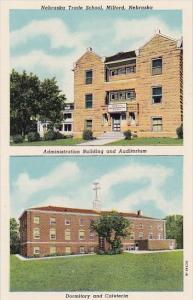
column 98, row 77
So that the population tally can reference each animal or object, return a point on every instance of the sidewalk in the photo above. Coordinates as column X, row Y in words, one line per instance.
column 150, row 252
column 50, row 257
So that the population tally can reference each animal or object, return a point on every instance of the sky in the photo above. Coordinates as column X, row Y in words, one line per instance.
column 152, row 184
column 47, row 43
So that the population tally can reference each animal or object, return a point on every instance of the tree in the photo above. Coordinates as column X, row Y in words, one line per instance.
column 174, row 229
column 14, row 236
column 32, row 99
column 24, row 101
column 111, row 226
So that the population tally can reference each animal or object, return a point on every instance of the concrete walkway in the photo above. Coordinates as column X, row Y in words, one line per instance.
column 151, row 252
column 50, row 257
column 103, row 139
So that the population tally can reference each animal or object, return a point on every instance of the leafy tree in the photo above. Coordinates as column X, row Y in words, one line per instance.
column 32, row 100
column 14, row 236
column 24, row 101
column 174, row 229
column 111, row 226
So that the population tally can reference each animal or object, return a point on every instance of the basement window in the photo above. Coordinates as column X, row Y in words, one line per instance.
column 67, row 250
column 82, row 250
column 157, row 124
column 52, row 250
column 36, row 250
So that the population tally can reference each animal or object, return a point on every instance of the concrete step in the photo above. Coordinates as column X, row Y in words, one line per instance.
column 111, row 135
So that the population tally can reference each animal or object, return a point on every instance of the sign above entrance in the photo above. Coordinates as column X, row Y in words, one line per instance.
column 118, row 107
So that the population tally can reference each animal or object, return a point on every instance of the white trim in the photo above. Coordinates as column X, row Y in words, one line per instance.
column 120, row 60
column 91, row 214
column 68, row 242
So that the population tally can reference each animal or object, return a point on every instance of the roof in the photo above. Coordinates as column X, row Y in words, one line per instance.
column 82, row 211
column 121, row 56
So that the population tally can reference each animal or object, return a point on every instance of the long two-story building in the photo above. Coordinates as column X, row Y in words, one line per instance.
column 53, row 230
column 140, row 90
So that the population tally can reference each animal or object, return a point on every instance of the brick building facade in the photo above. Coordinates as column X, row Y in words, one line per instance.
column 50, row 230
column 137, row 90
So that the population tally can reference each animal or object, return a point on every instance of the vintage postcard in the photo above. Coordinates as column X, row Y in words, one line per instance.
column 96, row 150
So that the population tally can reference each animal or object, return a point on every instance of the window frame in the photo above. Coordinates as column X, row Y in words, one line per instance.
column 153, row 68
column 152, row 95
column 153, row 125
column 36, row 229
column 52, row 229
column 34, row 250
column 88, row 78
column 79, row 235
column 67, row 234
column 88, row 101
column 36, row 217
column 86, row 125
column 52, row 222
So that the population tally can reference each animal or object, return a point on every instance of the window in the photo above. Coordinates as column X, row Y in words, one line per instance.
column 130, row 94
column 36, row 250
column 150, row 227
column 156, row 66
column 132, row 236
column 91, row 249
column 156, row 94
column 141, row 225
column 91, row 235
column 159, row 236
column 88, row 79
column 67, row 127
column 150, row 236
column 88, row 124
column 157, row 124
column 123, row 116
column 52, row 234
column 81, row 234
column 67, row 222
column 52, row 250
column 82, row 250
column 52, row 221
column 67, row 234
column 140, row 235
column 67, row 250
column 36, row 220
column 88, row 101
column 81, row 222
column 36, row 233
column 67, row 116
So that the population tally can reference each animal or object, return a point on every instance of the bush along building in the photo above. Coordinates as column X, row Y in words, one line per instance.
column 53, row 230
column 140, row 91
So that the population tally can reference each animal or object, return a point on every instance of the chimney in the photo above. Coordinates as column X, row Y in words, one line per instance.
column 89, row 49
column 139, row 213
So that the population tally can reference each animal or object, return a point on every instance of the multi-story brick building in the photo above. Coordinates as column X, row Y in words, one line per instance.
column 49, row 230
column 137, row 90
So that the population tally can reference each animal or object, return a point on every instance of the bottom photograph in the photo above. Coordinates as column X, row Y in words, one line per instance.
column 96, row 223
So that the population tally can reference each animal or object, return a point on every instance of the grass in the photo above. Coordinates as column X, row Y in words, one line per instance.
column 124, row 272
column 59, row 142
column 149, row 142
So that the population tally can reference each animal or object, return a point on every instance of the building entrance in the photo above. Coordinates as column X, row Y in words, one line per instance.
column 116, row 118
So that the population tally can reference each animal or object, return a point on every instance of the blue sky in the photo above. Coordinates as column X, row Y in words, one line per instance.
column 150, row 183
column 48, row 42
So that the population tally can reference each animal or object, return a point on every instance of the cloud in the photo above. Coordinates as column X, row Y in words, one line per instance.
column 25, row 186
column 140, row 31
column 55, row 29
column 133, row 32
column 156, row 176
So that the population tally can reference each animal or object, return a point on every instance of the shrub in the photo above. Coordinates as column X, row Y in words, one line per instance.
column 127, row 135
column 33, row 136
column 87, row 135
column 50, row 135
column 179, row 132
column 59, row 135
column 17, row 139
column 100, row 252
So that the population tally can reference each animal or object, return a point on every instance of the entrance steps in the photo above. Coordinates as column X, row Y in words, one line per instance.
column 111, row 135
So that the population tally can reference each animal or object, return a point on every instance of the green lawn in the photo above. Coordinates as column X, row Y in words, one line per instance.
column 149, row 142
column 125, row 272
column 60, row 142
